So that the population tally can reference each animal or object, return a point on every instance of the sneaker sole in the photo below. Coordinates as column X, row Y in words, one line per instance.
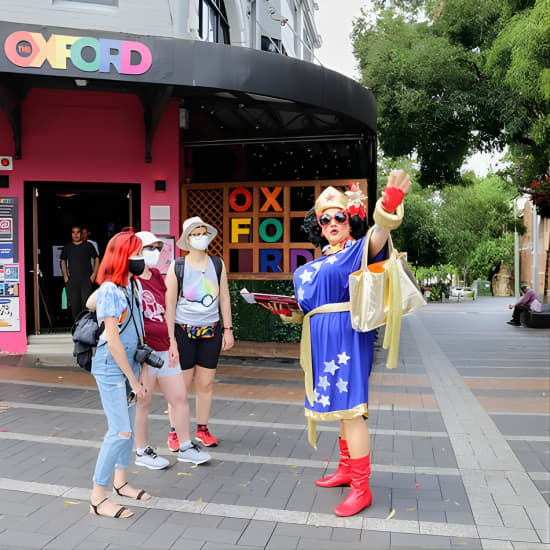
column 151, row 467
column 199, row 440
column 193, row 461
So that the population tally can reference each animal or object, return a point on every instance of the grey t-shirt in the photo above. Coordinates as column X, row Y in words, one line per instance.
column 199, row 303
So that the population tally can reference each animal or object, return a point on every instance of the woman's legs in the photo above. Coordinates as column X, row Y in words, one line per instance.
column 356, row 433
column 112, row 390
column 204, row 388
column 142, row 408
column 342, row 475
column 175, row 391
column 358, row 442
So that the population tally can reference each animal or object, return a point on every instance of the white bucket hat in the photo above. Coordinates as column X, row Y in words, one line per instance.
column 188, row 226
column 148, row 238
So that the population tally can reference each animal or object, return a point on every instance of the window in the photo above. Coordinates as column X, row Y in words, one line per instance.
column 213, row 22
column 272, row 45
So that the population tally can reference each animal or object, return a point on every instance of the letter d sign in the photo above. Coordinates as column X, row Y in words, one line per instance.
column 6, row 163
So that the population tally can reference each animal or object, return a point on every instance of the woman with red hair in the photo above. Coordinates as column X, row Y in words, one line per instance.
column 115, row 370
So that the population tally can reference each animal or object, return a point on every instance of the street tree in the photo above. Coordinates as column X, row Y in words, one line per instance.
column 454, row 76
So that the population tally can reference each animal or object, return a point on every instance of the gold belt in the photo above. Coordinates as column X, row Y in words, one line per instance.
column 306, row 362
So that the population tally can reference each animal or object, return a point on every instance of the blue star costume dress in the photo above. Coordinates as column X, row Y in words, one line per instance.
column 341, row 357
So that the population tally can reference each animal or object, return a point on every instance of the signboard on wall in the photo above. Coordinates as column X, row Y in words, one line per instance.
column 9, row 266
column 260, row 224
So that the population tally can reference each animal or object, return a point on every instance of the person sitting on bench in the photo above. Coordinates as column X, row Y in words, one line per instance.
column 528, row 302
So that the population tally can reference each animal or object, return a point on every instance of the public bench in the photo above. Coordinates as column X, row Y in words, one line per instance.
column 532, row 319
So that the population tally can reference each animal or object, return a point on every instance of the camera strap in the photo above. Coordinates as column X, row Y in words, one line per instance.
column 131, row 304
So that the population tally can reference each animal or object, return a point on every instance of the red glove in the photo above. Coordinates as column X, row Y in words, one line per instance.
column 392, row 198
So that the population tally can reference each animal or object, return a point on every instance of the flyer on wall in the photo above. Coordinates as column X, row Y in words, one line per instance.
column 166, row 254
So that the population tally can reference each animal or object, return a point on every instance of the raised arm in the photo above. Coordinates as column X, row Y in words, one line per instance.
column 389, row 210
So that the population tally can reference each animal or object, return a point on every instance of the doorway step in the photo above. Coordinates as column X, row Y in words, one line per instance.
column 50, row 350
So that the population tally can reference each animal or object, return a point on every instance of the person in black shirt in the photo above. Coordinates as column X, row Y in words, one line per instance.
column 76, row 265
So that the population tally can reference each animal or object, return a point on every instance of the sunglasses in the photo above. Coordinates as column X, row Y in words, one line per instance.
column 340, row 218
column 152, row 248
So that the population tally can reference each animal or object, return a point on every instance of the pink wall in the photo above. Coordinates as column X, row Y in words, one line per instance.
column 90, row 137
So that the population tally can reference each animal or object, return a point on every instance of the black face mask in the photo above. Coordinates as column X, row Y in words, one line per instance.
column 136, row 266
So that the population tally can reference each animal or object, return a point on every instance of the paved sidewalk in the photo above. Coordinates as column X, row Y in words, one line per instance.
column 460, row 452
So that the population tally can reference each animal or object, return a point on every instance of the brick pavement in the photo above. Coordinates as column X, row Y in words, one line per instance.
column 460, row 452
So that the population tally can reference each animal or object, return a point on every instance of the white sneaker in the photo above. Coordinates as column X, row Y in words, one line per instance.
column 151, row 460
column 193, row 454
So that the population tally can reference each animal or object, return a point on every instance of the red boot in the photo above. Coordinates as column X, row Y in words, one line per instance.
column 342, row 475
column 360, row 495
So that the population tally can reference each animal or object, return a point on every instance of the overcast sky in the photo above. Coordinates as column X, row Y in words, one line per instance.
column 334, row 23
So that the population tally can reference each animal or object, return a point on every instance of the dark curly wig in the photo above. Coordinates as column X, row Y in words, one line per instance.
column 358, row 228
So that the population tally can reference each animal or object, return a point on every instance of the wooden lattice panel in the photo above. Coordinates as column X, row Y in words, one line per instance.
column 208, row 204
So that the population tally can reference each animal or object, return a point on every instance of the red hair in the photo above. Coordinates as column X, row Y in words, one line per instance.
column 114, row 266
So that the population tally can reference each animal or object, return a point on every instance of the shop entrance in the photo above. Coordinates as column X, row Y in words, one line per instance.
column 51, row 209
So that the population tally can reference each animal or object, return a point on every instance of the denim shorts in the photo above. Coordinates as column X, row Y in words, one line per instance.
column 165, row 371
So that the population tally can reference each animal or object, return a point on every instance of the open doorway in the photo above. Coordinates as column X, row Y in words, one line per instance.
column 51, row 209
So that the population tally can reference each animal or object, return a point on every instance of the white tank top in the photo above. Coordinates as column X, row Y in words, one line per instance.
column 199, row 302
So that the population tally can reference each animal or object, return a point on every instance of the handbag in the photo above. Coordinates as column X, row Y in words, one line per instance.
column 85, row 334
column 381, row 293
column 85, row 328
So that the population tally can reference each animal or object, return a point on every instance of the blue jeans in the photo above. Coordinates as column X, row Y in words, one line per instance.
column 116, row 449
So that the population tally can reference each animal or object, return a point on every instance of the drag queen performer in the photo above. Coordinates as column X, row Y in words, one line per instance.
column 337, row 359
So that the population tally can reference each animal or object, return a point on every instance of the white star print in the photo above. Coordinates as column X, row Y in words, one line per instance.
column 315, row 396
column 300, row 294
column 331, row 259
column 325, row 401
column 317, row 266
column 331, row 367
column 306, row 276
column 323, row 382
column 342, row 385
column 343, row 358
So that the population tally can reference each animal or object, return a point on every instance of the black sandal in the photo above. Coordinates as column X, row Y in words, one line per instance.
column 137, row 497
column 119, row 512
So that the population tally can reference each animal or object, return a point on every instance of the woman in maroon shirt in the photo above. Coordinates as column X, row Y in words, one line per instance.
column 170, row 378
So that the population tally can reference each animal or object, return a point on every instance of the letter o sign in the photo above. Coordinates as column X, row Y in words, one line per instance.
column 278, row 233
column 234, row 202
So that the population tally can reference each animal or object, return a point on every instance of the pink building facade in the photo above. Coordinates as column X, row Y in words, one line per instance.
column 91, row 137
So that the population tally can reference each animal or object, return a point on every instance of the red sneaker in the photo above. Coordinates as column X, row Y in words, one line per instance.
column 206, row 438
column 173, row 442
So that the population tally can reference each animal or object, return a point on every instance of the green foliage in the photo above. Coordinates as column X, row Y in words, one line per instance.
column 438, row 278
column 253, row 322
column 419, row 233
column 458, row 76
column 474, row 213
column 519, row 63
column 489, row 255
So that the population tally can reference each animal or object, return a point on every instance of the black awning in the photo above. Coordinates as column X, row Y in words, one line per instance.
column 197, row 69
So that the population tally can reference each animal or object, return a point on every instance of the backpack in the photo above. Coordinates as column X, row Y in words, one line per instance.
column 85, row 333
column 179, row 267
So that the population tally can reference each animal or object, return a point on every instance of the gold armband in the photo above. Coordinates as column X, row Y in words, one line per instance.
column 385, row 219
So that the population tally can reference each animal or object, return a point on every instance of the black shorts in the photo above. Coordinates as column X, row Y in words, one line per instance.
column 202, row 351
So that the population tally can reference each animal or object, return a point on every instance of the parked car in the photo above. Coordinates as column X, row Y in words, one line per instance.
column 461, row 291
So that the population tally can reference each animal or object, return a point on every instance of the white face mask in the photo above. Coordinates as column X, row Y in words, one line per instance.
column 200, row 243
column 151, row 257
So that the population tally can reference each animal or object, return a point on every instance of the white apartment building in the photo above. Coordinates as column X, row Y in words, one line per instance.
column 284, row 26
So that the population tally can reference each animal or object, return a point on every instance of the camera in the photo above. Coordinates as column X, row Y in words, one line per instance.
column 146, row 354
